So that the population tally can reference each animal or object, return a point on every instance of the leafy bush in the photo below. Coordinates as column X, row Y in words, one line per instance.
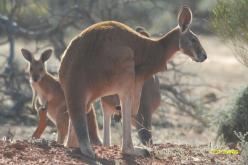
column 230, row 19
column 235, row 118
column 231, row 23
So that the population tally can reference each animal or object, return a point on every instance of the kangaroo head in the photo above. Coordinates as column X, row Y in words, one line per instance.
column 189, row 44
column 37, row 68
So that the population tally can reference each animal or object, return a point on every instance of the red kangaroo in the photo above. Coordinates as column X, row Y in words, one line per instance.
column 111, row 58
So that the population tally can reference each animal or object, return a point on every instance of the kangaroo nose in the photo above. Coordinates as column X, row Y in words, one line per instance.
column 202, row 57
column 35, row 78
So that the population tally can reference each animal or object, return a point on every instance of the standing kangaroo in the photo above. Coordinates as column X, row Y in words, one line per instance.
column 48, row 93
column 111, row 58
column 150, row 100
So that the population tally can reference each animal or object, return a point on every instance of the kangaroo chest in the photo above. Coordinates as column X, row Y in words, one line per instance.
column 41, row 92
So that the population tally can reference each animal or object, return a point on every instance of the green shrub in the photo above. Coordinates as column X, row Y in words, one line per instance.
column 230, row 19
column 230, row 22
column 235, row 118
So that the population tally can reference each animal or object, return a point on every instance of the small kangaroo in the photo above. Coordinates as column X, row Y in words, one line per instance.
column 150, row 100
column 48, row 94
column 111, row 58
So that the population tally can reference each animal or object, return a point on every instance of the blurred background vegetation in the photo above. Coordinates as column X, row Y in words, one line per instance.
column 230, row 23
column 39, row 24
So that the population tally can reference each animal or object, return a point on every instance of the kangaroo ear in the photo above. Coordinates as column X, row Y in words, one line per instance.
column 184, row 18
column 142, row 31
column 27, row 54
column 46, row 55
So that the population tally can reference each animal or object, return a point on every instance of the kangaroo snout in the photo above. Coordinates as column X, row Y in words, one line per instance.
column 35, row 78
column 201, row 57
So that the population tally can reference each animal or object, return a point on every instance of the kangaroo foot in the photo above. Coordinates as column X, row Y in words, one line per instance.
column 137, row 151
column 87, row 151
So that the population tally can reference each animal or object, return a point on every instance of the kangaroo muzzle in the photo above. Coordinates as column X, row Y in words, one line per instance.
column 35, row 78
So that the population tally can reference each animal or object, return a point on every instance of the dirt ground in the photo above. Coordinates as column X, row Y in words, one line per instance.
column 185, row 141
column 48, row 152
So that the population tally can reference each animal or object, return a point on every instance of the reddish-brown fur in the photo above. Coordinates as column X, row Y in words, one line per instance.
column 48, row 90
column 111, row 58
column 150, row 100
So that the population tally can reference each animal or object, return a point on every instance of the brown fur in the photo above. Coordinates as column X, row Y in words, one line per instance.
column 150, row 100
column 110, row 58
column 48, row 90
